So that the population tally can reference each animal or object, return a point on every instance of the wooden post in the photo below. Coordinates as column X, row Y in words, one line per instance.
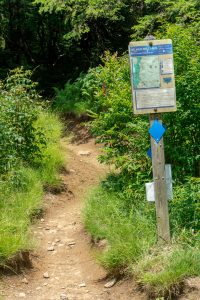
column 160, row 189
column 153, row 92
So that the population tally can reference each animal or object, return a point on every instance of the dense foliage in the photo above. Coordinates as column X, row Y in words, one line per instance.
column 77, row 97
column 19, row 138
column 105, row 90
column 59, row 39
column 185, row 208
column 30, row 158
column 159, row 15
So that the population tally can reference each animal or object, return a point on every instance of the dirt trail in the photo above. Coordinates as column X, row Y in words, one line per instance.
column 70, row 265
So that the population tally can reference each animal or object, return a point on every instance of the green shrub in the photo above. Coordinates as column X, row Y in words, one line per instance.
column 185, row 207
column 31, row 156
column 76, row 97
column 124, row 136
column 19, row 139
column 183, row 130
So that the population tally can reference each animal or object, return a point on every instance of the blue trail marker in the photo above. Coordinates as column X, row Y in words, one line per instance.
column 149, row 153
column 165, row 127
column 157, row 130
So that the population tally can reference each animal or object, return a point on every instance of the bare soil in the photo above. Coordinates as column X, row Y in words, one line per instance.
column 70, row 264
column 192, row 289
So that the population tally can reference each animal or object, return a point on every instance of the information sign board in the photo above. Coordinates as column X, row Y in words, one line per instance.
column 152, row 76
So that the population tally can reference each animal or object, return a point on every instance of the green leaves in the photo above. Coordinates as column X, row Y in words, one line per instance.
column 125, row 143
column 82, row 15
column 185, row 208
column 77, row 97
column 86, row 8
column 19, row 139
column 183, row 134
column 159, row 15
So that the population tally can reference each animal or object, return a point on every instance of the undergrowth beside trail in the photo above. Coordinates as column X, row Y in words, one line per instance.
column 31, row 157
column 17, row 206
column 22, row 194
column 130, row 235
column 53, row 156
column 163, row 272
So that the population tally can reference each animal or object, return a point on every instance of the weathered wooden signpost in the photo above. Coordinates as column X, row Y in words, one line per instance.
column 153, row 92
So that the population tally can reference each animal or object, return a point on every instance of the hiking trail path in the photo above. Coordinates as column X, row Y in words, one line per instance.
column 63, row 252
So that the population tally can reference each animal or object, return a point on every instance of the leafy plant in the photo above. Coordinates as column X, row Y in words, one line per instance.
column 76, row 97
column 19, row 138
column 30, row 157
column 185, row 207
column 183, row 134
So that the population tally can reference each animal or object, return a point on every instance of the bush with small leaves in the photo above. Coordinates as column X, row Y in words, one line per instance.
column 20, row 140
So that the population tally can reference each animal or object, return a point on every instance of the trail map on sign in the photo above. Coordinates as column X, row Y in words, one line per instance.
column 146, row 71
column 152, row 76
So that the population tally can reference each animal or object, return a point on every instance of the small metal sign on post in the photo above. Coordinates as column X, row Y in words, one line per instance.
column 153, row 92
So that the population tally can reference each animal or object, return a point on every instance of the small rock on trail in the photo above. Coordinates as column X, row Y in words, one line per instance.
column 46, row 275
column 82, row 285
column 84, row 153
column 110, row 283
column 24, row 280
column 51, row 248
column 22, row 295
column 63, row 297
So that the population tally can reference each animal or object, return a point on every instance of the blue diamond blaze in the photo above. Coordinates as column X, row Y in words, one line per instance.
column 157, row 130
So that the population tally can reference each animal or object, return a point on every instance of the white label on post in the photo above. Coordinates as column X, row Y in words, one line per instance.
column 150, row 191
column 150, row 194
column 168, row 175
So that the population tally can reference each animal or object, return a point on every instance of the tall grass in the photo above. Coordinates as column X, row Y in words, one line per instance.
column 16, row 207
column 163, row 272
column 129, row 234
column 53, row 155
column 21, row 194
